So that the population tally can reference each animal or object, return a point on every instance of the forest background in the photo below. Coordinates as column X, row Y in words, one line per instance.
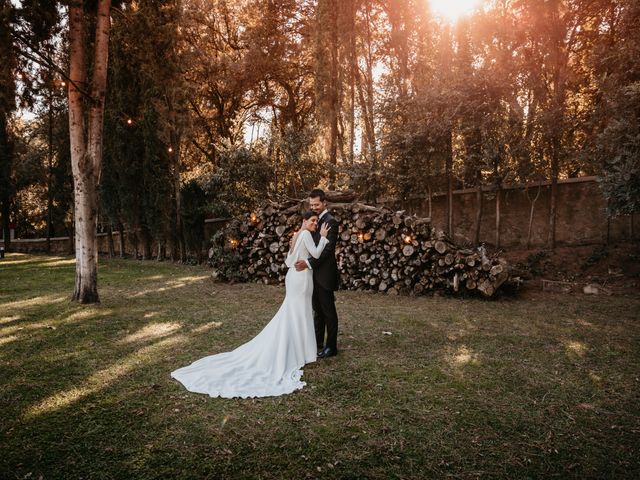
column 213, row 106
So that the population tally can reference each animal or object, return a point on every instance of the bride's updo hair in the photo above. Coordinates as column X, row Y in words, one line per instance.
column 308, row 214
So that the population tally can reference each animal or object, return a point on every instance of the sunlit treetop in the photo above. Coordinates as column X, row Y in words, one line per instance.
column 452, row 10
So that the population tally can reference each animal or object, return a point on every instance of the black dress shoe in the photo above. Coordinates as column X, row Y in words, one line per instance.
column 328, row 352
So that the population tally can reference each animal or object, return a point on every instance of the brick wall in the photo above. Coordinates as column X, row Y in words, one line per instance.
column 580, row 220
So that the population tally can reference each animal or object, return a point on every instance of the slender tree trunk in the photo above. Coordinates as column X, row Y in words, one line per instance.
column 531, row 211
column 145, row 238
column 560, row 59
column 370, row 100
column 6, row 150
column 86, row 148
column 498, row 214
column 180, row 227
column 112, row 248
column 449, row 175
column 368, row 146
column 134, row 240
column 554, row 198
column 121, row 240
column 49, row 171
column 6, row 231
column 479, row 209
column 352, row 81
column 333, row 109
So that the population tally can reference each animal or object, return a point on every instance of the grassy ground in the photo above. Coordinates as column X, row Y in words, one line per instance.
column 531, row 387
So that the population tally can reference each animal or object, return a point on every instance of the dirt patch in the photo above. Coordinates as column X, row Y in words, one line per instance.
column 615, row 267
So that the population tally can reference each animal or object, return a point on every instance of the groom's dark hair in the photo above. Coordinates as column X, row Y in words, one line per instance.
column 317, row 193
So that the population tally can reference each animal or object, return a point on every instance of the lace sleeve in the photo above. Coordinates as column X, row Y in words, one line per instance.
column 314, row 250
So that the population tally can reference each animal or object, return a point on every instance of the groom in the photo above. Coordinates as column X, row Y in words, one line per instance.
column 325, row 279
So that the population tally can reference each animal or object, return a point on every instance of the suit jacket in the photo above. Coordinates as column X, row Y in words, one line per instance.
column 325, row 268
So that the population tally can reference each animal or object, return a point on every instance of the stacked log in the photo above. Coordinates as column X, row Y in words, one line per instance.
column 377, row 249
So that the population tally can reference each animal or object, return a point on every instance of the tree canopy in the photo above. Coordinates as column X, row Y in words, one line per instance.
column 227, row 103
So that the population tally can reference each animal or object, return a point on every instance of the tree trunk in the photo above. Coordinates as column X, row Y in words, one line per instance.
column 373, row 151
column 352, row 80
column 554, row 199
column 498, row 215
column 121, row 240
column 112, row 248
column 71, row 250
column 6, row 231
column 49, row 171
column 134, row 240
column 6, row 151
column 449, row 174
column 86, row 145
column 479, row 209
column 533, row 204
column 145, row 238
column 560, row 59
column 333, row 109
column 179, row 227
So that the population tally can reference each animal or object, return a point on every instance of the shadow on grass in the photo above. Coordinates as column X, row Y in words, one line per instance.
column 423, row 387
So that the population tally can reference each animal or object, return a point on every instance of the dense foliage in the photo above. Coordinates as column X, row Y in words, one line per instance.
column 258, row 98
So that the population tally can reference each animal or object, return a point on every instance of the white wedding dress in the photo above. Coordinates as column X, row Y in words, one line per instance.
column 269, row 364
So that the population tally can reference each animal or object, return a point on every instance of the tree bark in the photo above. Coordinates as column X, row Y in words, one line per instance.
column 121, row 239
column 112, row 248
column 449, row 174
column 333, row 109
column 498, row 214
column 554, row 196
column 6, row 150
column 86, row 145
column 49, row 171
column 479, row 209
column 145, row 238
column 373, row 151
column 352, row 80
column 533, row 204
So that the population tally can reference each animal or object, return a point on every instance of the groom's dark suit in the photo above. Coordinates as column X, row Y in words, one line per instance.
column 325, row 282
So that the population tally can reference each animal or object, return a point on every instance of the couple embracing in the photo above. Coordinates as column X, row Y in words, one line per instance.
column 271, row 363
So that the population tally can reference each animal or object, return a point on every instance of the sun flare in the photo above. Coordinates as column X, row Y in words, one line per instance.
column 452, row 10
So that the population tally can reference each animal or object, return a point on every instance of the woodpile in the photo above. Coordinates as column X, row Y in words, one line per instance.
column 377, row 249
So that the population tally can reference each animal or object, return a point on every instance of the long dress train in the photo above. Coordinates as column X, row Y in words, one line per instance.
column 269, row 364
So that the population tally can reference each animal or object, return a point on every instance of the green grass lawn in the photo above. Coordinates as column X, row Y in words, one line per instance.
column 533, row 387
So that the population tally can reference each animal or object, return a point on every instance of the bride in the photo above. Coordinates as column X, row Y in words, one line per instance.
column 269, row 364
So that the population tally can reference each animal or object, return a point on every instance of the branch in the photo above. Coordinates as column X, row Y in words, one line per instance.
column 45, row 61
